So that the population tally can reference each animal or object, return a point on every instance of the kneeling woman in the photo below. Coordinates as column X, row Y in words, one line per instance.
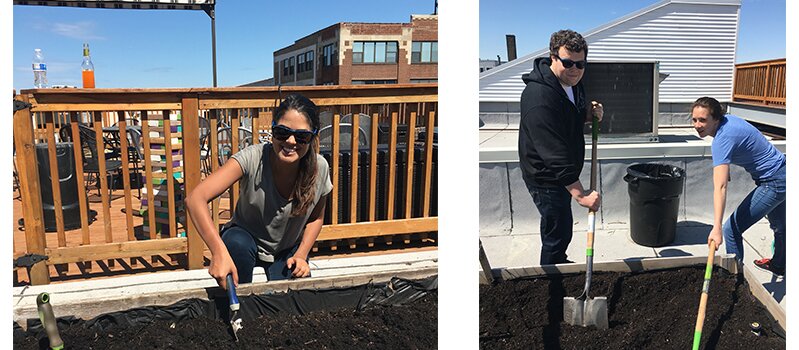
column 283, row 190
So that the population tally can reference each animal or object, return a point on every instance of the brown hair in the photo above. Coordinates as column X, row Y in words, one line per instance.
column 569, row 39
column 711, row 104
column 303, row 192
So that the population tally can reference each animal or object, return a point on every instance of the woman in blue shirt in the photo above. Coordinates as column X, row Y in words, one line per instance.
column 735, row 141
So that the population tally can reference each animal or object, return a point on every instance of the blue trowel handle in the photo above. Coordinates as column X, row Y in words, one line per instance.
column 231, row 293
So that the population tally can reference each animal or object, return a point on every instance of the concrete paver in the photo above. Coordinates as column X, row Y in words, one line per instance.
column 176, row 281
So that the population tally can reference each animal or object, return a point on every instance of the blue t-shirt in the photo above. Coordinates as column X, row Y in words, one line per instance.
column 740, row 143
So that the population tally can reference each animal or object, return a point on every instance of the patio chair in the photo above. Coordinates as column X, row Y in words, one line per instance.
column 345, row 137
column 205, row 152
column 135, row 156
column 225, row 142
column 364, row 123
column 91, row 164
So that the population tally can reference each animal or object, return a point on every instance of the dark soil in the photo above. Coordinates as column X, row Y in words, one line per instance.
column 653, row 310
column 411, row 326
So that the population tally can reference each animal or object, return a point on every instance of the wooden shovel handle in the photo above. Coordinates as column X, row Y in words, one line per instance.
column 700, row 317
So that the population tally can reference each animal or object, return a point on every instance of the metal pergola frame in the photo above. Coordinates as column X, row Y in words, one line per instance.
column 206, row 5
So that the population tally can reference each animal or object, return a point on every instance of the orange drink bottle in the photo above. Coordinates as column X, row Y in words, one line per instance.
column 87, row 68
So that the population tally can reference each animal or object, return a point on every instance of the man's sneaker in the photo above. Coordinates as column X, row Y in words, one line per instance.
column 765, row 264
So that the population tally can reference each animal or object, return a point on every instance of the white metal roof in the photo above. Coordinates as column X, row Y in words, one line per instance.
column 694, row 41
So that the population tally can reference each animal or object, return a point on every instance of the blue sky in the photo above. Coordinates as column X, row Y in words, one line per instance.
column 761, row 31
column 172, row 48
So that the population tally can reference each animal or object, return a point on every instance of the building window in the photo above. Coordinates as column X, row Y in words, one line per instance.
column 424, row 52
column 309, row 61
column 300, row 63
column 291, row 65
column 374, row 52
column 286, row 67
column 370, row 82
column 419, row 81
column 327, row 55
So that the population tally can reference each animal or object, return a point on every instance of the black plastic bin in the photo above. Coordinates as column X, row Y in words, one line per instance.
column 654, row 202
column 68, row 180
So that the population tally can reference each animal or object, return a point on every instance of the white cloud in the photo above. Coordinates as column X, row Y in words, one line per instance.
column 79, row 30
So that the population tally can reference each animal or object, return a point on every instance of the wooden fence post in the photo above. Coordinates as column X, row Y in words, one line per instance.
column 30, row 191
column 192, row 173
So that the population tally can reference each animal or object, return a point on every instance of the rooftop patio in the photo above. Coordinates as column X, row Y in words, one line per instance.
column 148, row 231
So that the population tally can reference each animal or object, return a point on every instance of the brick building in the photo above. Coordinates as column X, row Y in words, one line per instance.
column 362, row 53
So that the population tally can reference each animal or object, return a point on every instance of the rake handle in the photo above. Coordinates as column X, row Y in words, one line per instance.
column 700, row 317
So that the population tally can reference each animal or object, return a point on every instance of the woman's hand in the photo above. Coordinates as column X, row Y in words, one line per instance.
column 222, row 266
column 715, row 236
column 298, row 266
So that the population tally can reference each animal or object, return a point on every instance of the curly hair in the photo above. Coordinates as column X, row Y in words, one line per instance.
column 711, row 104
column 569, row 39
column 302, row 193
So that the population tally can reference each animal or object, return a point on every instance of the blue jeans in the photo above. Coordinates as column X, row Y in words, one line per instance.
column 244, row 251
column 554, row 205
column 766, row 200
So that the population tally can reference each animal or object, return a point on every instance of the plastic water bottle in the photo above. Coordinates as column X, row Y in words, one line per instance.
column 39, row 70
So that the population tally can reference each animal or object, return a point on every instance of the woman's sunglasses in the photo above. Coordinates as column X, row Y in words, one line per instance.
column 567, row 63
column 282, row 133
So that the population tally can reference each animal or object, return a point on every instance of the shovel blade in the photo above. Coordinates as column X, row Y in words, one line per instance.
column 595, row 312
column 573, row 310
column 589, row 312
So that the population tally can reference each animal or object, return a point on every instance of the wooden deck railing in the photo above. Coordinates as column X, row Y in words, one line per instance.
column 383, row 197
column 760, row 82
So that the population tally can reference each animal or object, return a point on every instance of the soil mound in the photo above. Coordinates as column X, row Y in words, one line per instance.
column 650, row 310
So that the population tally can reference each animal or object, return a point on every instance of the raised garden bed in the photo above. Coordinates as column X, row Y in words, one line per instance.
column 400, row 314
column 646, row 310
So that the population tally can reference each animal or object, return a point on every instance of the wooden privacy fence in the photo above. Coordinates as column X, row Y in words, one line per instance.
column 378, row 140
column 760, row 82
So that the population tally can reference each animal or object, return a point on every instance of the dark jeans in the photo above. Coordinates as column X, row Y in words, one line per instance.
column 554, row 205
column 244, row 251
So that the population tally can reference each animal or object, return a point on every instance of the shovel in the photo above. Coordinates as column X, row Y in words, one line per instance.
column 583, row 310
column 700, row 317
column 235, row 319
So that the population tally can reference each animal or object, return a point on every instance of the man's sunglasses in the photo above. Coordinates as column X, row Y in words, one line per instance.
column 567, row 63
column 282, row 133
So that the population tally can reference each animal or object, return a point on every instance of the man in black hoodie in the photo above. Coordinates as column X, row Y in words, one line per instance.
column 551, row 142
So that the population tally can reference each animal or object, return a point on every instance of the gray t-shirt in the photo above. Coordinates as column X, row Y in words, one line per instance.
column 262, row 211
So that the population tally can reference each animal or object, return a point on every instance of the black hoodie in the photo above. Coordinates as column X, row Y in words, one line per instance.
column 551, row 142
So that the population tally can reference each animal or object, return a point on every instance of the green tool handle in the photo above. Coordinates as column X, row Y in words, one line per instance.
column 48, row 321
column 700, row 317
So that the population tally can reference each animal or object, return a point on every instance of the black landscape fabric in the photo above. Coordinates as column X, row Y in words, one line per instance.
column 397, row 291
